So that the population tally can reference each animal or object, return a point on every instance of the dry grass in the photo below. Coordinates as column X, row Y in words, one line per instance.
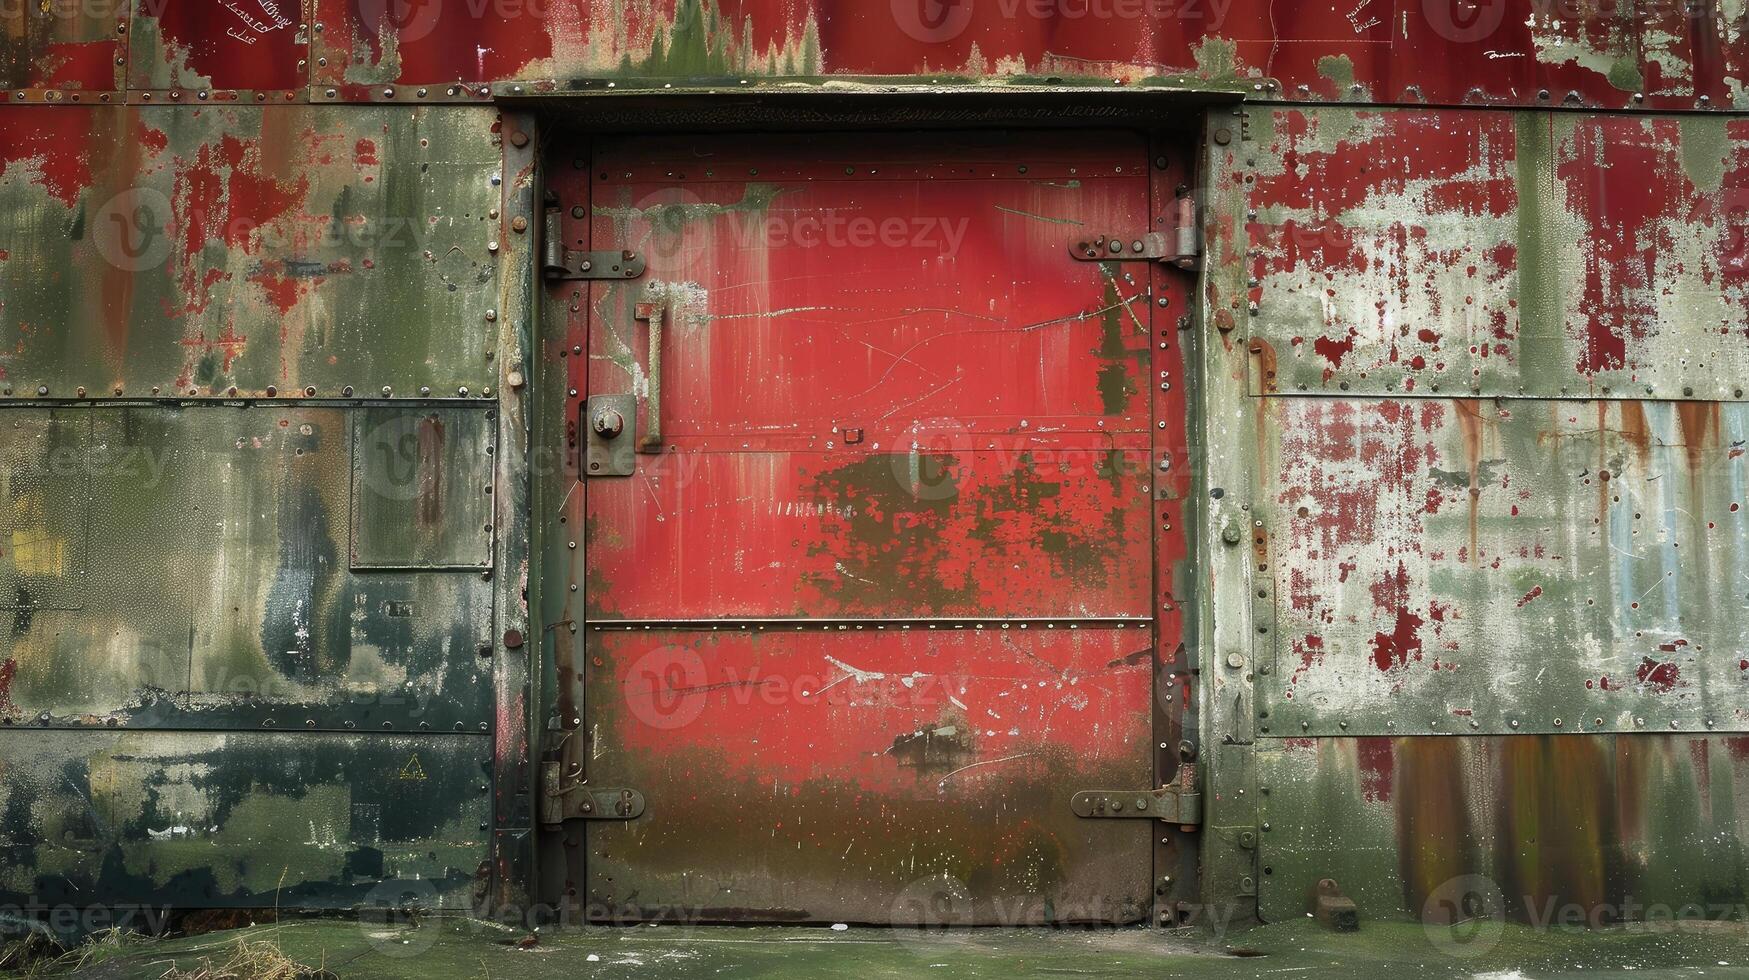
column 245, row 960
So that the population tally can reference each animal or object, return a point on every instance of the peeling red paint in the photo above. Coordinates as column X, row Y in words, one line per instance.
column 1377, row 762
column 1661, row 677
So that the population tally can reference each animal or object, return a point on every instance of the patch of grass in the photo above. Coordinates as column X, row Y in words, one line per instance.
column 246, row 960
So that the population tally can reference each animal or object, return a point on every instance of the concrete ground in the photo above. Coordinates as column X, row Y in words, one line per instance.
column 438, row 949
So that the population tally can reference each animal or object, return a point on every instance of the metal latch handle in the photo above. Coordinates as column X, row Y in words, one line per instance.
column 650, row 438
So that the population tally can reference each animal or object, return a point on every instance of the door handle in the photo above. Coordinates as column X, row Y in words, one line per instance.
column 650, row 438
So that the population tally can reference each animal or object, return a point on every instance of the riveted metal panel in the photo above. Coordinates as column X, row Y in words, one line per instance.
column 216, row 591
column 1630, row 827
column 1499, row 566
column 1424, row 253
column 203, row 51
column 1027, row 532
column 172, row 251
column 870, row 776
column 54, row 49
column 1658, row 55
column 421, row 479
column 192, row 820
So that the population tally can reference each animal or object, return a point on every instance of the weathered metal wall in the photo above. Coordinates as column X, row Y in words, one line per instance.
column 1660, row 54
column 1485, row 369
column 248, row 531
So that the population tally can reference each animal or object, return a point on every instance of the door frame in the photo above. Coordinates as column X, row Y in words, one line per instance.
column 529, row 867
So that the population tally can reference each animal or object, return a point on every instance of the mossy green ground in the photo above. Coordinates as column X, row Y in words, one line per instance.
column 442, row 949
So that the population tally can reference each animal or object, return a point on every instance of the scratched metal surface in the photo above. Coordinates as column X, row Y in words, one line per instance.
column 221, row 48
column 950, row 423
column 1498, row 566
column 187, row 251
column 1449, row 253
column 1624, row 827
column 253, row 820
column 870, row 776
column 189, row 568
column 1450, row 52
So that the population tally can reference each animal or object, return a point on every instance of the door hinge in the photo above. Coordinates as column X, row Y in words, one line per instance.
column 1179, row 802
column 1181, row 247
column 576, row 800
column 559, row 262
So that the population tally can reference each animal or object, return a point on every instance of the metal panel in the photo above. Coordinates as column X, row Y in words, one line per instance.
column 887, row 392
column 223, row 48
column 216, row 591
column 45, row 507
column 1411, row 51
column 164, row 251
column 870, row 776
column 421, row 487
column 246, row 819
column 62, row 47
column 1530, row 566
column 1618, row 826
column 1026, row 530
column 1419, row 253
column 851, row 432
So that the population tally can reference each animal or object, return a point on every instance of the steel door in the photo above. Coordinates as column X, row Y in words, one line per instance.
column 874, row 600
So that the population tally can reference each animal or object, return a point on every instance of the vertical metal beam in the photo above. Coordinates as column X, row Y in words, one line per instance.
column 512, row 876
column 1171, row 292
column 1225, row 489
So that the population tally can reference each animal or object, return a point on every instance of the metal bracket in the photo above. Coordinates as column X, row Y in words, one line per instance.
column 596, row 265
column 1181, row 248
column 579, row 801
column 1179, row 802
column 1166, row 804
column 560, row 262
column 610, row 425
column 1150, row 247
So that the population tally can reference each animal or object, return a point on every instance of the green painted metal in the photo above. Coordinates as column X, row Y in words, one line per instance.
column 1451, row 252
column 170, row 251
column 1503, row 566
column 421, row 487
column 1619, row 828
column 187, row 567
column 256, row 820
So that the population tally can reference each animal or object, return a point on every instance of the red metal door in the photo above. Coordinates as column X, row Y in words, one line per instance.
column 878, row 601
